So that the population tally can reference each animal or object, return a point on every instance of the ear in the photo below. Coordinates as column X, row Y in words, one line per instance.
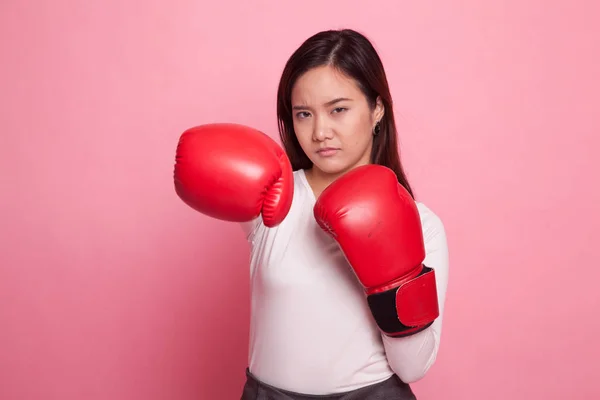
column 379, row 110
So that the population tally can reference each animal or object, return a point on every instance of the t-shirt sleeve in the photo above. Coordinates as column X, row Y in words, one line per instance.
column 250, row 228
column 412, row 356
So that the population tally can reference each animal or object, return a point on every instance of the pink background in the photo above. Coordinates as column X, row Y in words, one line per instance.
column 112, row 288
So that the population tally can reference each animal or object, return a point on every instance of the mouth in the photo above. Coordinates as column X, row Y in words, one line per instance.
column 327, row 151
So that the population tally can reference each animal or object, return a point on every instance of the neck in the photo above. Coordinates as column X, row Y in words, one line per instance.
column 318, row 180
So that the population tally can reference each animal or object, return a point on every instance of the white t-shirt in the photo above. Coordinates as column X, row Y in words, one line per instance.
column 311, row 329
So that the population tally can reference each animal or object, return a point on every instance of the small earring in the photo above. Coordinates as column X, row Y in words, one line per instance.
column 376, row 129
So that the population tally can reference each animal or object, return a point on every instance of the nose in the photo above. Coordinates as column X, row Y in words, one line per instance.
column 321, row 130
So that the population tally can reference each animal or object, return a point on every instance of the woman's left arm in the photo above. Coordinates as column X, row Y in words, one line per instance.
column 411, row 357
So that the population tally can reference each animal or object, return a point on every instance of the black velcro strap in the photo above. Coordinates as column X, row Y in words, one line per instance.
column 383, row 308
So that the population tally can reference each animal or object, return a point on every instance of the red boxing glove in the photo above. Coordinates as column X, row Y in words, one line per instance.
column 233, row 173
column 376, row 223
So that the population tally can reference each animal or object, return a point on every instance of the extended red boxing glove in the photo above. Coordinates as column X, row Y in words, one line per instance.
column 376, row 223
column 233, row 173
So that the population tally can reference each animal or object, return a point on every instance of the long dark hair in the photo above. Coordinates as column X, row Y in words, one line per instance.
column 353, row 54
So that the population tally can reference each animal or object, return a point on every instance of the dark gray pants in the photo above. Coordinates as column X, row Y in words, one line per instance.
column 390, row 389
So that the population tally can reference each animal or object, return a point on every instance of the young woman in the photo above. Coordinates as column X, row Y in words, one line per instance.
column 330, row 233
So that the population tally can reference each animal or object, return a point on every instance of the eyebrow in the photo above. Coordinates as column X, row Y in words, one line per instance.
column 328, row 104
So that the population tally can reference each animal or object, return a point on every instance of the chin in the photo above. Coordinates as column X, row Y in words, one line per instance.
column 332, row 167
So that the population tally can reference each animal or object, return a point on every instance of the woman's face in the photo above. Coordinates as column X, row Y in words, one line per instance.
column 333, row 121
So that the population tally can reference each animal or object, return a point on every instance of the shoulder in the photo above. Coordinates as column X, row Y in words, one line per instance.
column 299, row 178
column 434, row 232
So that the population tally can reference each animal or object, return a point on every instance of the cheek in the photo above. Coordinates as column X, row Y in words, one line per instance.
column 358, row 131
column 303, row 134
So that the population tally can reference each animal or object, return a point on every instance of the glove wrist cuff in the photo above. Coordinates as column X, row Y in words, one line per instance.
column 407, row 308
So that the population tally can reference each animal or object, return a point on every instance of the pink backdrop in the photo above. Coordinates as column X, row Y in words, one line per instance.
column 112, row 288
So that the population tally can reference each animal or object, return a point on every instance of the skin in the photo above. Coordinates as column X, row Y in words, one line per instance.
column 330, row 111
